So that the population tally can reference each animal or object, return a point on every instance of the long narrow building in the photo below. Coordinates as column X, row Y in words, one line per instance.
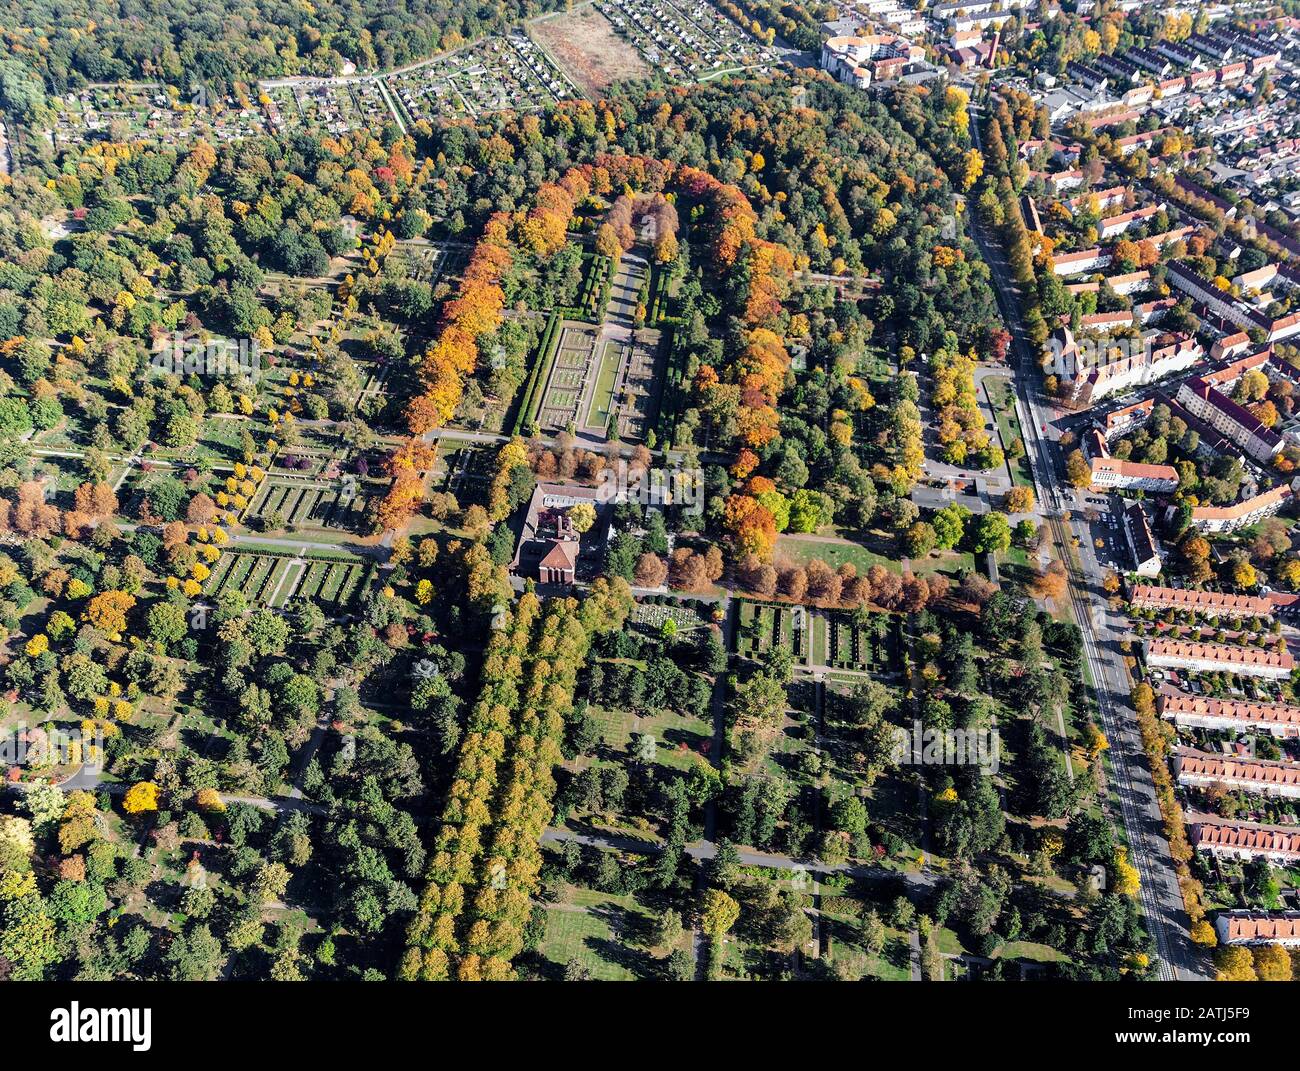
column 1245, row 840
column 1151, row 597
column 1203, row 769
column 1280, row 720
column 1219, row 658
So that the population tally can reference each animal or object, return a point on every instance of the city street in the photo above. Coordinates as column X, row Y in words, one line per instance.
column 1130, row 778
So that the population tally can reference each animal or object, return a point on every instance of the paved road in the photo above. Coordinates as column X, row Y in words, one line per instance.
column 1177, row 958
column 699, row 850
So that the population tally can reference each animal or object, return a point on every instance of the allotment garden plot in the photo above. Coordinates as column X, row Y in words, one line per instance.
column 336, row 105
column 273, row 579
column 495, row 74
column 685, row 41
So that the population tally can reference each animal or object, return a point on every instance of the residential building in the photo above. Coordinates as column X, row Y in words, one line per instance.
column 1129, row 418
column 1211, row 603
column 857, row 60
column 1083, row 260
column 1202, row 399
column 1113, row 474
column 1249, row 927
column 1202, row 769
column 1218, row 658
column 1111, row 369
column 1280, row 720
column 1245, row 840
column 1240, row 514
column 1222, row 304
column 1113, row 225
column 1147, row 559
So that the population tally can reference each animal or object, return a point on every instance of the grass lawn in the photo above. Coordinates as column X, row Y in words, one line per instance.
column 602, row 932
column 1004, row 410
column 838, row 552
column 670, row 730
column 1030, row 950
column 602, row 398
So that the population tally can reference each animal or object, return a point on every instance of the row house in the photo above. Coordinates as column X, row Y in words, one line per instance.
column 1220, row 303
column 1178, row 53
column 1100, row 122
column 1218, row 658
column 1114, row 225
column 1249, row 927
column 1225, row 377
column 1088, row 76
column 1129, row 145
column 1245, row 840
column 1150, row 61
column 1211, row 46
column 1121, row 284
column 1279, row 720
column 1153, row 311
column 1142, row 94
column 1107, row 198
column 1202, row 769
column 1117, row 68
column 1083, row 260
column 1212, row 603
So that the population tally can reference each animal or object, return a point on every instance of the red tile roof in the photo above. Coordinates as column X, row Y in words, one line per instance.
column 1209, row 601
column 1241, row 509
column 1259, row 773
column 1226, row 653
column 1211, row 833
column 1172, row 704
column 1251, row 926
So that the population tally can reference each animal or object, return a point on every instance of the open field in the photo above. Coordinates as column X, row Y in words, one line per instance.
column 585, row 44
